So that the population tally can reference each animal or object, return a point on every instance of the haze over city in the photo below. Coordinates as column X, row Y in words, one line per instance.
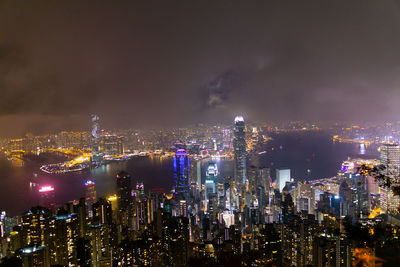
column 167, row 63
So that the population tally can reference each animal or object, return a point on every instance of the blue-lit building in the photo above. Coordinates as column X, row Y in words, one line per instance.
column 181, row 166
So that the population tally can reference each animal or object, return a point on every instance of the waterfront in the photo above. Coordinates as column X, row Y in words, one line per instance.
column 300, row 151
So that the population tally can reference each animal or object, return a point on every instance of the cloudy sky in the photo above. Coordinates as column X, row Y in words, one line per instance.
column 150, row 63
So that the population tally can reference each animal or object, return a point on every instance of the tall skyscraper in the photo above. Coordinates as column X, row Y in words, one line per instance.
column 95, row 131
column 239, row 146
column 124, row 190
column 90, row 194
column 282, row 176
column 181, row 166
column 102, row 212
column 211, row 180
column 390, row 158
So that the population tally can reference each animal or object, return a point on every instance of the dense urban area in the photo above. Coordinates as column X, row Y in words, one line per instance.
column 206, row 219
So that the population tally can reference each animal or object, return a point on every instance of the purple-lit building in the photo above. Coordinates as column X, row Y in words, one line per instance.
column 47, row 197
column 90, row 194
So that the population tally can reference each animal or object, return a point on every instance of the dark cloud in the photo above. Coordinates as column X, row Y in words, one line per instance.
column 143, row 62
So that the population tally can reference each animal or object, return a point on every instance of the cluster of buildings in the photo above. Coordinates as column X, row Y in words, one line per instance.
column 206, row 219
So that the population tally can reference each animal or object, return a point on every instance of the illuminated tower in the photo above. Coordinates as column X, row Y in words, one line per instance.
column 211, row 180
column 95, row 132
column 390, row 158
column 282, row 177
column 90, row 195
column 47, row 197
column 181, row 173
column 239, row 146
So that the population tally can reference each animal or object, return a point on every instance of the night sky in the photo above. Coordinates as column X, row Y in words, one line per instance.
column 167, row 63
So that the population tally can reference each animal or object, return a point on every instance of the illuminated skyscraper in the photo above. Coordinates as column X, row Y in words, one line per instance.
column 90, row 194
column 211, row 180
column 390, row 158
column 181, row 166
column 183, row 208
column 239, row 146
column 282, row 177
column 47, row 197
column 97, row 157
column 95, row 131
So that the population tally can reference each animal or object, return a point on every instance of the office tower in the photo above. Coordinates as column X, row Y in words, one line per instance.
column 211, row 181
column 95, row 132
column 390, row 158
column 90, row 195
column 47, row 197
column 258, row 176
column 102, row 212
column 181, row 167
column 124, row 191
column 239, row 146
column 125, row 201
column 265, row 178
column 282, row 177
column 183, row 208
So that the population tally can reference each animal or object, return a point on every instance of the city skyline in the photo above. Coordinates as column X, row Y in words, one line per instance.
column 199, row 133
column 207, row 214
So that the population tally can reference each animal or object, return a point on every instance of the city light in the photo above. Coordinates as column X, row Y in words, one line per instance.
column 89, row 183
column 47, row 188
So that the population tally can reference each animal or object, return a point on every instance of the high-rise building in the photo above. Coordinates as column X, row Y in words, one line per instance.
column 102, row 212
column 181, row 166
column 390, row 158
column 124, row 191
column 33, row 256
column 211, row 180
column 183, row 208
column 90, row 194
column 239, row 146
column 47, row 197
column 282, row 177
column 95, row 132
